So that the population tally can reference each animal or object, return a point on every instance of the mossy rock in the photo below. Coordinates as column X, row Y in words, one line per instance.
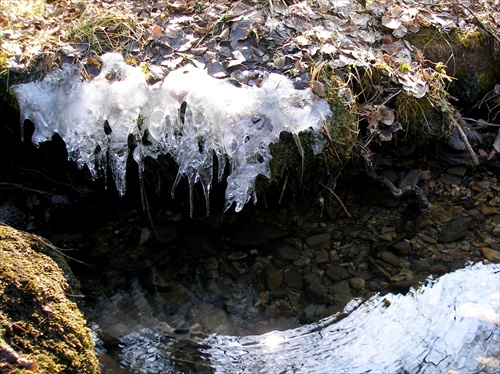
column 40, row 328
column 472, row 57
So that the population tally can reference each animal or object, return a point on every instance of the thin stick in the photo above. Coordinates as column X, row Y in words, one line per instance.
column 471, row 152
column 338, row 199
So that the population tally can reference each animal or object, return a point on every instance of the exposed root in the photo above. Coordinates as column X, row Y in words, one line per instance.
column 471, row 152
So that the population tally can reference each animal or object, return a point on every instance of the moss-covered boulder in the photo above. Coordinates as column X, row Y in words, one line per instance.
column 41, row 330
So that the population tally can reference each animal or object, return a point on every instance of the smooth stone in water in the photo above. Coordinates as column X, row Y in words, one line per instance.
column 293, row 279
column 403, row 247
column 287, row 253
column 315, row 291
column 456, row 230
column 316, row 240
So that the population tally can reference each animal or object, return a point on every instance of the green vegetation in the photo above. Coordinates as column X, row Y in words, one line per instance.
column 41, row 330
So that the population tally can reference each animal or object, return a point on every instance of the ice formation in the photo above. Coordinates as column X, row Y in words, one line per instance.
column 190, row 115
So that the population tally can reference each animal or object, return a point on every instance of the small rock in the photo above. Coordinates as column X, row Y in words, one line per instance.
column 438, row 269
column 429, row 239
column 439, row 214
column 274, row 278
column 342, row 292
column 403, row 247
column 389, row 258
column 386, row 236
column 489, row 210
column 456, row 230
column 491, row 254
column 322, row 257
column 287, row 253
column 315, row 291
column 420, row 265
column 358, row 284
column 336, row 273
column 293, row 279
column 316, row 240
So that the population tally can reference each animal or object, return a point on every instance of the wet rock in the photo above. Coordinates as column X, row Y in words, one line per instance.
column 287, row 253
column 403, row 247
column 274, row 278
column 458, row 170
column 322, row 257
column 389, row 258
column 342, row 293
column 293, row 279
column 315, row 291
column 455, row 230
column 420, row 265
column 358, row 284
column 438, row 269
column 489, row 210
column 336, row 273
column 491, row 254
column 439, row 214
column 316, row 240
column 429, row 239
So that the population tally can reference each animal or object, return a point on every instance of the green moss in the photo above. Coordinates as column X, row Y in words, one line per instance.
column 37, row 320
column 422, row 122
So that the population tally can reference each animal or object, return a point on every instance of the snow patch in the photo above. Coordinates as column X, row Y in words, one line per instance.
column 190, row 115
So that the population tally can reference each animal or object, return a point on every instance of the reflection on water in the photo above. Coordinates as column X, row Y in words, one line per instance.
column 453, row 323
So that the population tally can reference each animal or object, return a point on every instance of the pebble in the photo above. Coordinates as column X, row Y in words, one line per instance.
column 491, row 254
column 403, row 247
column 293, row 278
column 315, row 291
column 316, row 240
column 389, row 258
column 274, row 278
column 428, row 239
column 455, row 230
column 489, row 210
column 358, row 284
column 287, row 253
column 336, row 273
column 322, row 257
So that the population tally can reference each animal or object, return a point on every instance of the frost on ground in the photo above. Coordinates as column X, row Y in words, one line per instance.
column 96, row 117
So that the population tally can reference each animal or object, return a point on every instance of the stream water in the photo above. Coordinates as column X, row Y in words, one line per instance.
column 451, row 323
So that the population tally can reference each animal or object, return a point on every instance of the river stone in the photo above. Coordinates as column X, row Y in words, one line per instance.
column 489, row 210
column 403, row 247
column 358, row 284
column 322, row 257
column 316, row 240
column 293, row 278
column 274, row 278
column 455, row 230
column 336, row 273
column 342, row 293
column 315, row 291
column 420, row 265
column 287, row 253
column 491, row 254
column 389, row 258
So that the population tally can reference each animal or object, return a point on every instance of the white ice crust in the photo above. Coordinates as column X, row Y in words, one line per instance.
column 220, row 120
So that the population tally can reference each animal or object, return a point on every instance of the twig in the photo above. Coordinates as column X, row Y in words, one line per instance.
column 338, row 199
column 471, row 152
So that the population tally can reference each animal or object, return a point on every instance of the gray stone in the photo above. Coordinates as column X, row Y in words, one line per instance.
column 336, row 273
column 403, row 247
column 358, row 284
column 342, row 293
column 316, row 240
column 287, row 253
column 274, row 278
column 293, row 279
column 315, row 291
column 456, row 230
column 420, row 265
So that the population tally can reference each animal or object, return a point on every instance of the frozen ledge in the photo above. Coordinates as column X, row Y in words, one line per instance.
column 189, row 115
